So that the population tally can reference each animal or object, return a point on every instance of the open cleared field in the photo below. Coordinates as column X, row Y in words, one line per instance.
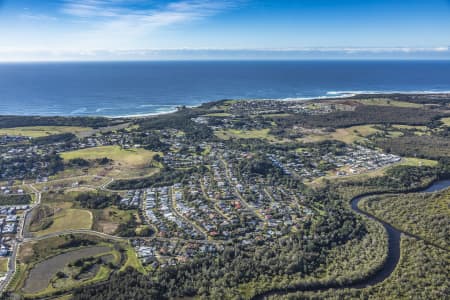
column 68, row 219
column 410, row 127
column 406, row 161
column 219, row 115
column 107, row 220
column 394, row 134
column 418, row 162
column 246, row 134
column 388, row 102
column 65, row 297
column 276, row 115
column 128, row 157
column 3, row 265
column 40, row 275
column 417, row 130
column 78, row 181
column 346, row 135
column 39, row 131
column 133, row 261
column 446, row 121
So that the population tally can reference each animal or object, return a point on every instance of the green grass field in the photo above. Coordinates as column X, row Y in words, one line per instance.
column 276, row 115
column 346, row 135
column 417, row 130
column 69, row 182
column 39, row 131
column 388, row 102
column 107, row 220
column 130, row 157
column 421, row 128
column 68, row 219
column 3, row 265
column 406, row 161
column 446, row 121
column 133, row 261
column 246, row 134
column 217, row 115
column 418, row 162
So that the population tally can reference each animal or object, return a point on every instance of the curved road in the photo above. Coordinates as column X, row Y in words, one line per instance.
column 393, row 257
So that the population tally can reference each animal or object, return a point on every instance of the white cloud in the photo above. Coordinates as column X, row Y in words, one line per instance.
column 126, row 23
column 145, row 14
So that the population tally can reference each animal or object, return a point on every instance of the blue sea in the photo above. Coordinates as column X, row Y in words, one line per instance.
column 139, row 88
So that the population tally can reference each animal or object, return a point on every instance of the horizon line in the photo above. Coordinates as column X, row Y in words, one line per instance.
column 443, row 59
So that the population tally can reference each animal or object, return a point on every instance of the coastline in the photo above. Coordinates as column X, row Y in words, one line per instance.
column 330, row 95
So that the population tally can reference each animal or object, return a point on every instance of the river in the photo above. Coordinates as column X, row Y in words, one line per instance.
column 393, row 258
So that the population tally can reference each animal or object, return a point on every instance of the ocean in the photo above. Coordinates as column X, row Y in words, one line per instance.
column 140, row 88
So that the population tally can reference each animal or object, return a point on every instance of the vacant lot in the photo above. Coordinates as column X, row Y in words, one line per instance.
column 67, row 219
column 346, row 135
column 246, row 134
column 406, row 161
column 39, row 131
column 78, row 181
column 127, row 163
column 3, row 265
column 108, row 220
column 389, row 102
column 128, row 157
column 446, row 121
column 218, row 115
column 40, row 275
column 418, row 162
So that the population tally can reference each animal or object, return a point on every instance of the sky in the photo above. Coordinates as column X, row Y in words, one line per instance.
column 223, row 29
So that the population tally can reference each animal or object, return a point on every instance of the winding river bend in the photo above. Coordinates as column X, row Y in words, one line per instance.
column 394, row 236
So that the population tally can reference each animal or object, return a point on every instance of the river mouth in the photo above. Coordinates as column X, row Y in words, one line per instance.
column 393, row 256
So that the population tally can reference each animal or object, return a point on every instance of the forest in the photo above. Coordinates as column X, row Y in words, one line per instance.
column 364, row 114
column 421, row 274
column 301, row 255
column 164, row 177
column 15, row 199
column 432, row 147
column 97, row 200
column 423, row 215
